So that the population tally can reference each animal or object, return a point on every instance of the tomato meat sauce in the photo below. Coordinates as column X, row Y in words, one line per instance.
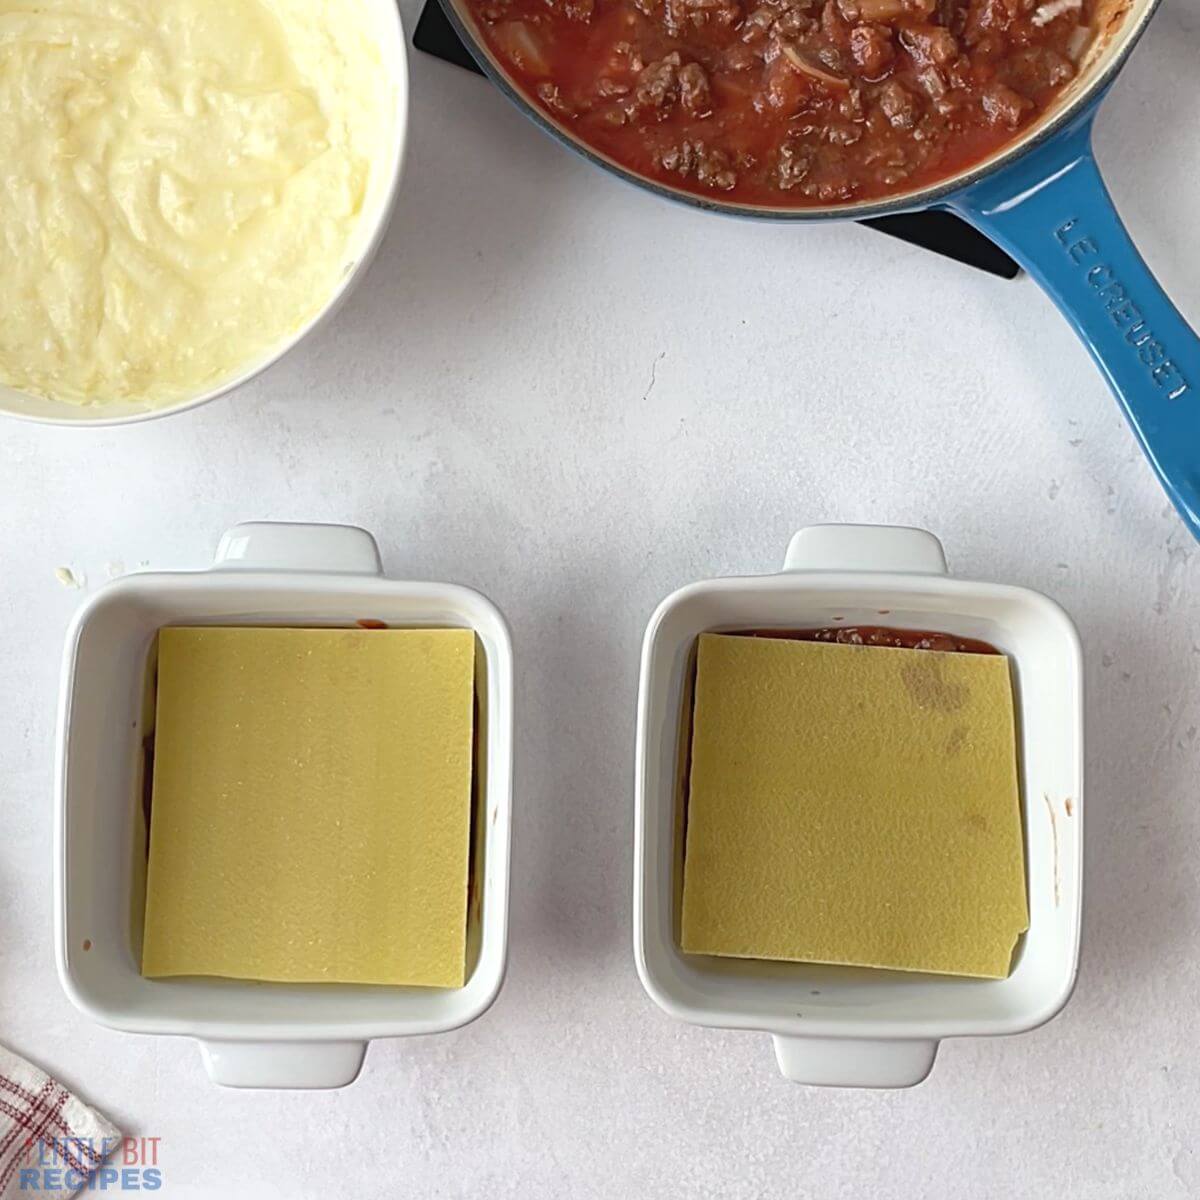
column 880, row 635
column 791, row 102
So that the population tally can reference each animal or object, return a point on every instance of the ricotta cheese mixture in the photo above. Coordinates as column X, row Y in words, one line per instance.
column 181, row 183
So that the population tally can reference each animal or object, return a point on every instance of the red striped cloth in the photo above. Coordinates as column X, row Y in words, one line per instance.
column 47, row 1131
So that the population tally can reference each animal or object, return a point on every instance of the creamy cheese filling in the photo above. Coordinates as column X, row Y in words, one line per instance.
column 181, row 185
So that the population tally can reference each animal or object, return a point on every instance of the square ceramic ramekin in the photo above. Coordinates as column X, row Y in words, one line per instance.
column 253, row 1034
column 843, row 1025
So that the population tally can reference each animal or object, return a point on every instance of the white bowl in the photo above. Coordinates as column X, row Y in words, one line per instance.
column 854, row 1026
column 253, row 1034
column 372, row 225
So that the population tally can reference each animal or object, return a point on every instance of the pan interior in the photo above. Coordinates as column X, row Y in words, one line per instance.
column 1119, row 24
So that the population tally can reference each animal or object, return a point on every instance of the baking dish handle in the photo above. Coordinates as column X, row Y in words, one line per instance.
column 855, row 1062
column 891, row 548
column 283, row 1064
column 291, row 546
column 1052, row 212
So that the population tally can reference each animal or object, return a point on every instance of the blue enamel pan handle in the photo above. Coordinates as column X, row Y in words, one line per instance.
column 1051, row 211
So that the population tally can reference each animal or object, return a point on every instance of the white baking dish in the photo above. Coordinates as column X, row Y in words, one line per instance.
column 253, row 1034
column 852, row 1026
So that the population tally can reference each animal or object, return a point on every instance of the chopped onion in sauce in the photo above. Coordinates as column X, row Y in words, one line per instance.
column 1054, row 9
column 517, row 42
column 807, row 64
column 880, row 10
column 1078, row 43
column 885, row 10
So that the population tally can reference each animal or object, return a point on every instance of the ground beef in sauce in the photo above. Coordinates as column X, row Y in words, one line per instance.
column 879, row 635
column 791, row 102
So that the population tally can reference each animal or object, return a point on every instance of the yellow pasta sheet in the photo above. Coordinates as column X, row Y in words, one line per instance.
column 853, row 804
column 311, row 805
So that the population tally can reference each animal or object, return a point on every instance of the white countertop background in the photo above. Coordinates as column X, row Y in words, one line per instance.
column 577, row 397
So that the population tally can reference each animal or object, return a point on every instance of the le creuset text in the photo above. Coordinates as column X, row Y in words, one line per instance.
column 1082, row 248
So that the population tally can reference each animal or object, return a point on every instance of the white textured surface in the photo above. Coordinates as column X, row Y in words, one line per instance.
column 542, row 390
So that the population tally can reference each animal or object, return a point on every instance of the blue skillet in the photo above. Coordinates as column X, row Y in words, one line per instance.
column 1043, row 200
